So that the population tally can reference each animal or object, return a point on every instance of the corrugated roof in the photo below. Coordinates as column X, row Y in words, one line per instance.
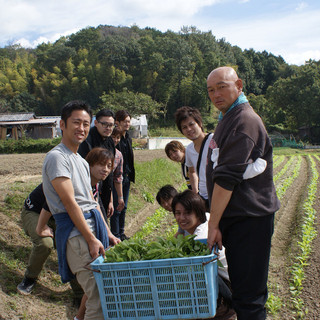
column 16, row 116
column 31, row 121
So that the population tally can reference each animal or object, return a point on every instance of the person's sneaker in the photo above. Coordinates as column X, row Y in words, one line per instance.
column 124, row 237
column 26, row 285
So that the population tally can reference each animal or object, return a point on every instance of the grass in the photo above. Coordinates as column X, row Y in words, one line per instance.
column 165, row 132
column 16, row 195
column 151, row 176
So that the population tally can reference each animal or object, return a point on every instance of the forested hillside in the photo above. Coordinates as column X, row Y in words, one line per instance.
column 153, row 72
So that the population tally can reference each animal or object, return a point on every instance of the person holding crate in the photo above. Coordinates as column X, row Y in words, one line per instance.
column 190, row 213
column 82, row 233
column 241, row 211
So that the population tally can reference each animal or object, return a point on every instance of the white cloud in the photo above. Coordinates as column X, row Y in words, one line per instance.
column 301, row 6
column 300, row 58
column 290, row 36
column 293, row 36
column 21, row 19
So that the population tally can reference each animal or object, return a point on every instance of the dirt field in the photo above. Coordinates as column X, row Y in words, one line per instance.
column 51, row 299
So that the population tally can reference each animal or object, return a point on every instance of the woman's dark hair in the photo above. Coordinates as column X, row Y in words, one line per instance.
column 192, row 202
column 99, row 156
column 166, row 193
column 116, row 132
column 121, row 115
column 184, row 113
column 71, row 106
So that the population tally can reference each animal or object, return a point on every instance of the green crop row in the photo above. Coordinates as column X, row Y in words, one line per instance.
column 277, row 160
column 151, row 223
column 284, row 169
column 308, row 234
column 286, row 183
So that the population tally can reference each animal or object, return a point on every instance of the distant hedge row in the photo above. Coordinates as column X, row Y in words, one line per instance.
column 27, row 145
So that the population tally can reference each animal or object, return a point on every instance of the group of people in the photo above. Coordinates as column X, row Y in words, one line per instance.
column 232, row 172
column 230, row 200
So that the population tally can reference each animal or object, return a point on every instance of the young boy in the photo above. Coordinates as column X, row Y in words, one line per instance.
column 176, row 151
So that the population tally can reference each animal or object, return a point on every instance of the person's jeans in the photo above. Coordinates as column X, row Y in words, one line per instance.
column 117, row 220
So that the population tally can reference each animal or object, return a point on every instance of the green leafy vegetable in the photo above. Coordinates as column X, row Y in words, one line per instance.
column 139, row 249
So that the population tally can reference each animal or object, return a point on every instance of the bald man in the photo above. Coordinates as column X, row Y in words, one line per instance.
column 241, row 211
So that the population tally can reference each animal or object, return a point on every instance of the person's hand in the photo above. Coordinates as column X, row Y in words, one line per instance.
column 46, row 231
column 114, row 240
column 214, row 237
column 110, row 210
column 95, row 248
column 120, row 205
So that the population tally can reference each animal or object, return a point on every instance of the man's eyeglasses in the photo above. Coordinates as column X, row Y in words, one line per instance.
column 106, row 124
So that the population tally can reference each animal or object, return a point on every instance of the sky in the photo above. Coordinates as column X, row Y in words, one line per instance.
column 288, row 28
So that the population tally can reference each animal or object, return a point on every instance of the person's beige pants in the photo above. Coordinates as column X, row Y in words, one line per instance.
column 78, row 256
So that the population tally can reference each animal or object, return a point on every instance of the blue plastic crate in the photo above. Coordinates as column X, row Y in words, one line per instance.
column 182, row 288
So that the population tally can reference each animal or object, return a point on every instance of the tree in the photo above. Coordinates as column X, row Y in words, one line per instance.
column 298, row 96
column 134, row 103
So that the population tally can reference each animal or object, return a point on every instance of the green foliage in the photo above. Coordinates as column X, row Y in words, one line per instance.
column 136, row 249
column 135, row 103
column 297, row 96
column 286, row 183
column 148, row 197
column 162, row 131
column 152, row 223
column 160, row 71
column 28, row 145
column 274, row 304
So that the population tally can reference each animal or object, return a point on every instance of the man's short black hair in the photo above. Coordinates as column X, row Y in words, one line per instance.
column 104, row 113
column 184, row 113
column 73, row 105
column 166, row 193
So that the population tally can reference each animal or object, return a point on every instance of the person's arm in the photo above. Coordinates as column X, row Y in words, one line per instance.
column 64, row 188
column 118, row 178
column 110, row 209
column 111, row 237
column 42, row 228
column 219, row 201
column 118, row 187
column 194, row 180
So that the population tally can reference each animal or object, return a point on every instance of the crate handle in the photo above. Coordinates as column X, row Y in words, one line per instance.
column 88, row 267
column 205, row 263
column 216, row 252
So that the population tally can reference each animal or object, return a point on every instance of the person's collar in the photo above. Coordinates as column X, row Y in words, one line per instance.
column 241, row 99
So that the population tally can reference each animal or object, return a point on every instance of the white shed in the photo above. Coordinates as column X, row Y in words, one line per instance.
column 139, row 126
